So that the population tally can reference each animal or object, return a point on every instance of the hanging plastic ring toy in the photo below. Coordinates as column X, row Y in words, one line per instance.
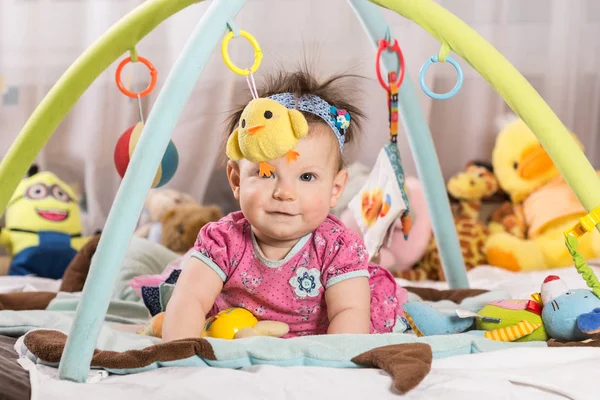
column 151, row 85
column 257, row 53
column 442, row 96
column 385, row 45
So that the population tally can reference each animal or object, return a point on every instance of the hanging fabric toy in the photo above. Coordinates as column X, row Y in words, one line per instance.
column 383, row 200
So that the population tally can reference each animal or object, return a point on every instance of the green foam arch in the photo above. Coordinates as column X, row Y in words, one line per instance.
column 513, row 87
column 120, row 38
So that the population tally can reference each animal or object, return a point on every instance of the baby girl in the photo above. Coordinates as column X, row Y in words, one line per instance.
column 284, row 257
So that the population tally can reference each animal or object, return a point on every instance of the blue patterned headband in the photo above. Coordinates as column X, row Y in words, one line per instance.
column 338, row 120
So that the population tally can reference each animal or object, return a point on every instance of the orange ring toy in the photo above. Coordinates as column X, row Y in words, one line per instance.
column 153, row 78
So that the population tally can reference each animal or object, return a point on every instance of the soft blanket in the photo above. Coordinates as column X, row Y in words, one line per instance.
column 405, row 357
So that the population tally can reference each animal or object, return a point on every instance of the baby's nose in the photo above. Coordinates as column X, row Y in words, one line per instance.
column 284, row 192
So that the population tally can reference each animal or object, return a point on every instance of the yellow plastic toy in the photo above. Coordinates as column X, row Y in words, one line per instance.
column 267, row 131
column 258, row 55
column 231, row 323
column 542, row 202
column 43, row 226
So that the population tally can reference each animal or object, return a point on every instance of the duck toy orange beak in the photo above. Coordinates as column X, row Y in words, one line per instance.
column 534, row 162
column 254, row 129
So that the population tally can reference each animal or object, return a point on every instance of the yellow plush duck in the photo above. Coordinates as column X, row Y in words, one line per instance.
column 267, row 131
column 43, row 226
column 542, row 202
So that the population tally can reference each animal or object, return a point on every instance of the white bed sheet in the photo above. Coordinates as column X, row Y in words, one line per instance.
column 532, row 373
column 516, row 284
column 10, row 284
column 527, row 373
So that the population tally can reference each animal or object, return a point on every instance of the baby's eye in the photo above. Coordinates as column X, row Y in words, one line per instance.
column 307, row 177
column 265, row 176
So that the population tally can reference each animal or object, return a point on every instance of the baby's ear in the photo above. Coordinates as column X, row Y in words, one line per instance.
column 233, row 147
column 299, row 124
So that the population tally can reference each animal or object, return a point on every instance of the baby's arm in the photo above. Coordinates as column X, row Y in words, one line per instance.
column 197, row 288
column 349, row 306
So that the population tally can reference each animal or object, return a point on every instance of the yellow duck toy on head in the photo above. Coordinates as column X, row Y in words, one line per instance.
column 267, row 131
column 542, row 204
column 43, row 226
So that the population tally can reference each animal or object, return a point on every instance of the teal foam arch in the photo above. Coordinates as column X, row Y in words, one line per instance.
column 129, row 200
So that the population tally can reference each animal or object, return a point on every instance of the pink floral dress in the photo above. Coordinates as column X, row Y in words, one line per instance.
column 292, row 290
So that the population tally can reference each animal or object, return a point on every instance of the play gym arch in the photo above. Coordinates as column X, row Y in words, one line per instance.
column 453, row 34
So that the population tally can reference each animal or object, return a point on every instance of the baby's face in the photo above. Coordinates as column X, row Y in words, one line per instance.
column 297, row 197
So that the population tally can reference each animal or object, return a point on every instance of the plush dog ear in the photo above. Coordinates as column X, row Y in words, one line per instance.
column 590, row 322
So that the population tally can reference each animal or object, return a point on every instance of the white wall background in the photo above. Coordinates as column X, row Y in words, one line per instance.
column 554, row 43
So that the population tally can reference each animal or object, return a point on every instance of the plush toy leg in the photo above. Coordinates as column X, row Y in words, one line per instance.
column 291, row 156
column 590, row 322
column 555, row 252
column 552, row 244
column 427, row 321
column 509, row 252
column 265, row 169
column 512, row 333
column 546, row 250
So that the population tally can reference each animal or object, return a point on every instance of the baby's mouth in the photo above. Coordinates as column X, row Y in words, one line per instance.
column 281, row 214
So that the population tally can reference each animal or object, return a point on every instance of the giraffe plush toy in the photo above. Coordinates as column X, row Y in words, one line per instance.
column 469, row 187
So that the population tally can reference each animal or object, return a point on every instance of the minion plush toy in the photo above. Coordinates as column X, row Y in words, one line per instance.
column 43, row 226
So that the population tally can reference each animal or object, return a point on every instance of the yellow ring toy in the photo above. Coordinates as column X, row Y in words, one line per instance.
column 257, row 53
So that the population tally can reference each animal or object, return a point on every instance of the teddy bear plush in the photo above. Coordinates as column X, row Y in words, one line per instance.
column 156, row 205
column 174, row 218
column 181, row 224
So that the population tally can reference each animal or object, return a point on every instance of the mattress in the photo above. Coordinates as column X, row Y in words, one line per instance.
column 531, row 373
column 14, row 380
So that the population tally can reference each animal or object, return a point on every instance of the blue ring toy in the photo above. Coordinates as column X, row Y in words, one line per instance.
column 443, row 96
